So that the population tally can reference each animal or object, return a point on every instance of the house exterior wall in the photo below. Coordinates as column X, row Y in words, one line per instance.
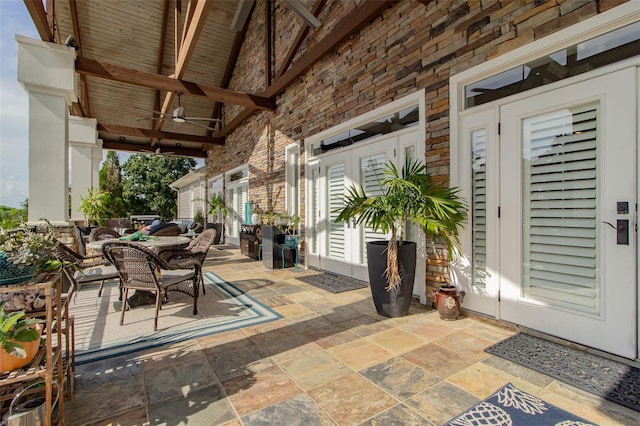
column 410, row 47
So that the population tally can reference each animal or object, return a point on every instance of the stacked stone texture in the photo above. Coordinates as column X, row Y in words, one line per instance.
column 411, row 47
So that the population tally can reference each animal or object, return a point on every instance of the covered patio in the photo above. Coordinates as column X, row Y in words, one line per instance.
column 283, row 106
column 330, row 360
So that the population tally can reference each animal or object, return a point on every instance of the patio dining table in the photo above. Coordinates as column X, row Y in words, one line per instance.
column 153, row 242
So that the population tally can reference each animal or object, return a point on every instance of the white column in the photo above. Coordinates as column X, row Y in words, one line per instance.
column 97, row 159
column 47, row 73
column 83, row 141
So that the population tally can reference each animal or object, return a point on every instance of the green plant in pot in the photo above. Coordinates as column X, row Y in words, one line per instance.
column 407, row 197
column 19, row 338
column 219, row 210
column 95, row 206
column 26, row 252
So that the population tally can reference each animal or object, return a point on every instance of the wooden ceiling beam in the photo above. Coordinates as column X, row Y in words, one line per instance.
column 297, row 42
column 119, row 130
column 268, row 41
column 177, row 39
column 187, row 47
column 348, row 26
column 303, row 13
column 113, row 145
column 241, row 15
column 231, row 63
column 39, row 18
column 237, row 120
column 84, row 89
column 165, row 83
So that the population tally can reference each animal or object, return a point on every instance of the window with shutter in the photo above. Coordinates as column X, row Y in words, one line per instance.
column 479, row 208
column 560, row 214
column 371, row 177
column 335, row 194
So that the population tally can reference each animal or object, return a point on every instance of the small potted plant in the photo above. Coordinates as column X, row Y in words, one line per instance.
column 19, row 338
column 407, row 196
column 26, row 252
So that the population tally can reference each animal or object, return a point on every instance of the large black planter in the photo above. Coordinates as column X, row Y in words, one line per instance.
column 393, row 303
column 218, row 227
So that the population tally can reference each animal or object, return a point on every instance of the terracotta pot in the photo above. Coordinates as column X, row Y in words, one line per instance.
column 10, row 362
column 447, row 300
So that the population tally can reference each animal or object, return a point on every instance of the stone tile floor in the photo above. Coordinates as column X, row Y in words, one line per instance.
column 331, row 360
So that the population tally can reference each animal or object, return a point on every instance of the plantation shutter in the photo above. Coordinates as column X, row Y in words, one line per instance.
column 479, row 207
column 371, row 177
column 560, row 217
column 240, row 200
column 231, row 223
column 335, row 193
column 315, row 209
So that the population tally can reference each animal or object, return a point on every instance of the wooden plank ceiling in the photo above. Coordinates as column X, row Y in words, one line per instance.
column 134, row 56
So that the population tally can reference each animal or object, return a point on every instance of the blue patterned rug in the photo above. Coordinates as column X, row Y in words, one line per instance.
column 511, row 406
column 99, row 335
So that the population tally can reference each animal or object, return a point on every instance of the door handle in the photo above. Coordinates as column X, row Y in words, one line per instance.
column 622, row 234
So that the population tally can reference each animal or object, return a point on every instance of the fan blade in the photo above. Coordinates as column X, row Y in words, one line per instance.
column 203, row 118
column 200, row 125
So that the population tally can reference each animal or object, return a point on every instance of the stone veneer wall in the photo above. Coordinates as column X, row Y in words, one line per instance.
column 410, row 47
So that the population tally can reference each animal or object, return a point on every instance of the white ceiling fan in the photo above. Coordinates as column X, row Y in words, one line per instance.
column 178, row 115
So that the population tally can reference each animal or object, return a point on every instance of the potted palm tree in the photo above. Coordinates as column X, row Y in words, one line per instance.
column 95, row 206
column 407, row 197
column 219, row 210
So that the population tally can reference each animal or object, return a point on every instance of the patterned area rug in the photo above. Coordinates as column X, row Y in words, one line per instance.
column 600, row 376
column 511, row 406
column 333, row 282
column 99, row 335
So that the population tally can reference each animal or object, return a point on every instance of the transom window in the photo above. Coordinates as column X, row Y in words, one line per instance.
column 594, row 53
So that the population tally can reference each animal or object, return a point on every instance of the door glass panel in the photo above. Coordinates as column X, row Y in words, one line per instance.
column 315, row 210
column 371, row 177
column 411, row 231
column 335, row 201
column 560, row 215
column 479, row 208
column 231, row 223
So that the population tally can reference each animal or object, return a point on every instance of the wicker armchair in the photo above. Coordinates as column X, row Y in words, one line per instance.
column 195, row 252
column 103, row 233
column 138, row 269
column 172, row 230
column 79, row 269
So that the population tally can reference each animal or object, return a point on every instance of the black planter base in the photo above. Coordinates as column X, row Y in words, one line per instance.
column 393, row 303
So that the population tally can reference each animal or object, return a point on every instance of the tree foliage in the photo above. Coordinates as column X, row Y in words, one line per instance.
column 111, row 182
column 146, row 179
column 11, row 217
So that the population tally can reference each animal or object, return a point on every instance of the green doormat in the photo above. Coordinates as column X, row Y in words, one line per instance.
column 333, row 283
column 511, row 406
column 600, row 376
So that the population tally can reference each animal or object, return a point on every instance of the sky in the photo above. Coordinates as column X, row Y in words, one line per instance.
column 14, row 126
column 14, row 132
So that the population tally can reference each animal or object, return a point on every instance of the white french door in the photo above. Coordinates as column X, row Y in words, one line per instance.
column 236, row 197
column 568, row 170
column 552, row 241
column 342, row 245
